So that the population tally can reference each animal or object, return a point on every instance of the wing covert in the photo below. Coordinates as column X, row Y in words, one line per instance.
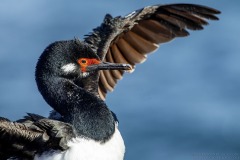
column 32, row 134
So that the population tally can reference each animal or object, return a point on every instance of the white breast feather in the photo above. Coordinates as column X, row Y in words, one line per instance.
column 85, row 149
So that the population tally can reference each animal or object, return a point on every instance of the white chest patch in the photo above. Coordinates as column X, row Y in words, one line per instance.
column 83, row 149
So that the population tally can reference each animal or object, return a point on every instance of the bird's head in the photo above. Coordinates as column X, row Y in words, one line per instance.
column 67, row 64
column 72, row 59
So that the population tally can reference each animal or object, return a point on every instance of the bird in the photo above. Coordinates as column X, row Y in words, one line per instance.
column 74, row 77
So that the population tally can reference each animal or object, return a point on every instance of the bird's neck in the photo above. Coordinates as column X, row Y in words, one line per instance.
column 88, row 114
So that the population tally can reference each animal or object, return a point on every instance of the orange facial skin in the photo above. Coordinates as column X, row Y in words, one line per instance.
column 84, row 62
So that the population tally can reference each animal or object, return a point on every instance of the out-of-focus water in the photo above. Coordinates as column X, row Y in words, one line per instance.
column 183, row 103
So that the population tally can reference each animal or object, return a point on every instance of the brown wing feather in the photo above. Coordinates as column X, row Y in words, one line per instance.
column 141, row 32
column 159, row 32
column 16, row 139
column 115, row 73
column 31, row 134
column 138, row 43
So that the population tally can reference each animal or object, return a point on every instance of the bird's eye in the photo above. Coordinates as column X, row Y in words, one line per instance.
column 83, row 61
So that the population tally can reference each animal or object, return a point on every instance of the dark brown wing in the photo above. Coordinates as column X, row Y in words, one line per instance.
column 33, row 134
column 131, row 38
column 15, row 137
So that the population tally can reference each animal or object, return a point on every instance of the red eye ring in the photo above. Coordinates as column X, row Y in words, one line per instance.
column 84, row 62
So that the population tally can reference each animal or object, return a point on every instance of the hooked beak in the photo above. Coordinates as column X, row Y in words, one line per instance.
column 108, row 66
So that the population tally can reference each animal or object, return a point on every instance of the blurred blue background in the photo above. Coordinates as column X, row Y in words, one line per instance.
column 181, row 104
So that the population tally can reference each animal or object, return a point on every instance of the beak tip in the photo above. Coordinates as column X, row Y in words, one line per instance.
column 129, row 68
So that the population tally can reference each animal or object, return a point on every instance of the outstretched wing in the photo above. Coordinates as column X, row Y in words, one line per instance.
column 30, row 135
column 131, row 38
